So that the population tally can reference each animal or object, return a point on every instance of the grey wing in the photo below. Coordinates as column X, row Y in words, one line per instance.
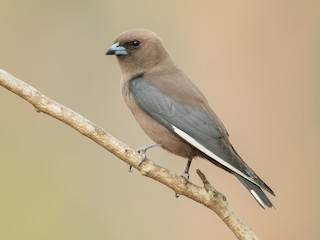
column 193, row 124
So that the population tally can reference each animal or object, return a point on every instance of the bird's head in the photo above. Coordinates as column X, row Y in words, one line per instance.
column 138, row 51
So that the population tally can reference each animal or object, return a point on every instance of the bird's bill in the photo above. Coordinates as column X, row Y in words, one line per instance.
column 117, row 49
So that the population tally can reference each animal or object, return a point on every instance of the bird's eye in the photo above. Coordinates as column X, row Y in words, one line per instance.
column 135, row 43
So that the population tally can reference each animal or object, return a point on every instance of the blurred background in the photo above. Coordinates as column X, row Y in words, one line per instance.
column 256, row 61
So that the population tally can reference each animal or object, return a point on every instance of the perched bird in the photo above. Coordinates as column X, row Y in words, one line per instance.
column 173, row 112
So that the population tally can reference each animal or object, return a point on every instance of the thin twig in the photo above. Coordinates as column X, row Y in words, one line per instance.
column 207, row 195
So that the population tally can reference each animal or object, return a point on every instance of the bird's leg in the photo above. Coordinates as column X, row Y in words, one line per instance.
column 185, row 174
column 143, row 150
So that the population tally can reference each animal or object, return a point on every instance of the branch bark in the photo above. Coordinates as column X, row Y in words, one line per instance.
column 206, row 195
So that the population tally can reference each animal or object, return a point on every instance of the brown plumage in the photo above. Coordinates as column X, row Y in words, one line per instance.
column 154, row 63
column 172, row 110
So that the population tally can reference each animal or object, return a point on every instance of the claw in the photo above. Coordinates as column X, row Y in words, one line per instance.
column 143, row 156
column 143, row 150
column 186, row 176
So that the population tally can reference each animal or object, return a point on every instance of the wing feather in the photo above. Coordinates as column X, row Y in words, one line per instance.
column 194, row 124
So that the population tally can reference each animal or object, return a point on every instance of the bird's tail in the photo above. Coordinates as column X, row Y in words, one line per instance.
column 255, row 191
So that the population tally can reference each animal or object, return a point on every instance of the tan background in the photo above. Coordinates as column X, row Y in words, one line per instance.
column 256, row 61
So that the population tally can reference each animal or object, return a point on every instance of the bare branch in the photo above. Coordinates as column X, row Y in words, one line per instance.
column 207, row 195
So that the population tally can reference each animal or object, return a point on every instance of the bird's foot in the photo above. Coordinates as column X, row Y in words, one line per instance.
column 143, row 152
column 185, row 173
column 185, row 176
